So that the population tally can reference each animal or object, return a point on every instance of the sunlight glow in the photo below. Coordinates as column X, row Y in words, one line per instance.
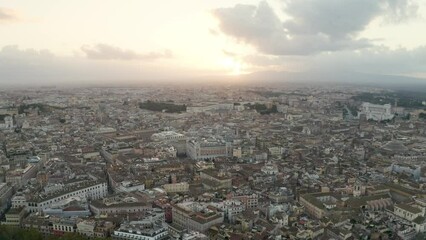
column 234, row 66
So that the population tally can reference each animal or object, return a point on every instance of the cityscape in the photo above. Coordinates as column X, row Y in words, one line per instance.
column 222, row 120
column 214, row 163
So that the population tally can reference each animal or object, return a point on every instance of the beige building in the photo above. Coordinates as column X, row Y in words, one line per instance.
column 407, row 211
column 313, row 206
column 61, row 226
column 214, row 180
column 14, row 216
column 86, row 228
column 208, row 149
column 21, row 176
column 193, row 217
column 249, row 201
column 176, row 187
column 100, row 207
column 237, row 152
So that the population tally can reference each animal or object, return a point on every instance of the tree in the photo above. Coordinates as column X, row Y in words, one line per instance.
column 407, row 117
column 12, row 233
column 420, row 236
column 160, row 106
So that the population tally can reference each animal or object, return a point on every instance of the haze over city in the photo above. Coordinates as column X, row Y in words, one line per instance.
column 109, row 42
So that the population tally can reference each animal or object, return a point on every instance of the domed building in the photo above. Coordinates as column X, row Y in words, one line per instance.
column 270, row 168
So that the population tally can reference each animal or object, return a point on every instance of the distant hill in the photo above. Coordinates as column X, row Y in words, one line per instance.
column 350, row 78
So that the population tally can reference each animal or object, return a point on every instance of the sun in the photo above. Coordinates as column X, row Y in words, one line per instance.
column 233, row 66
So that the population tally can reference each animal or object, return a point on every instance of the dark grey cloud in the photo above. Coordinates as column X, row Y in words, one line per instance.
column 342, row 18
column 336, row 19
column 314, row 26
column 8, row 15
column 108, row 52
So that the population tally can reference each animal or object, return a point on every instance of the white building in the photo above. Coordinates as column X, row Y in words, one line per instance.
column 140, row 230
column 232, row 208
column 192, row 235
column 53, row 187
column 282, row 108
column 61, row 225
column 167, row 136
column 128, row 186
column 270, row 168
column 208, row 149
column 213, row 107
column 88, row 190
column 413, row 170
column 149, row 228
column 8, row 123
column 377, row 112
column 19, row 201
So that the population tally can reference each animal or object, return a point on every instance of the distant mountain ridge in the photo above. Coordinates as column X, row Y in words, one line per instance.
column 350, row 78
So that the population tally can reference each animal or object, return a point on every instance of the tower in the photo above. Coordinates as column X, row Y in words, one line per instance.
column 173, row 178
column 8, row 122
column 358, row 188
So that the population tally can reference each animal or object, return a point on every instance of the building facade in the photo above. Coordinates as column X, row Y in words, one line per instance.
column 187, row 217
column 176, row 187
column 92, row 191
column 208, row 149
column 377, row 112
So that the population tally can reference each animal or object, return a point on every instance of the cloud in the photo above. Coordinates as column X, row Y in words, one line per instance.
column 400, row 10
column 108, row 52
column 8, row 15
column 379, row 60
column 20, row 67
column 229, row 53
column 337, row 19
column 37, row 67
column 313, row 26
column 29, row 67
column 13, row 52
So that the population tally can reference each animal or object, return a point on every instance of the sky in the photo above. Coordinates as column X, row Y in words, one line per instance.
column 113, row 41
